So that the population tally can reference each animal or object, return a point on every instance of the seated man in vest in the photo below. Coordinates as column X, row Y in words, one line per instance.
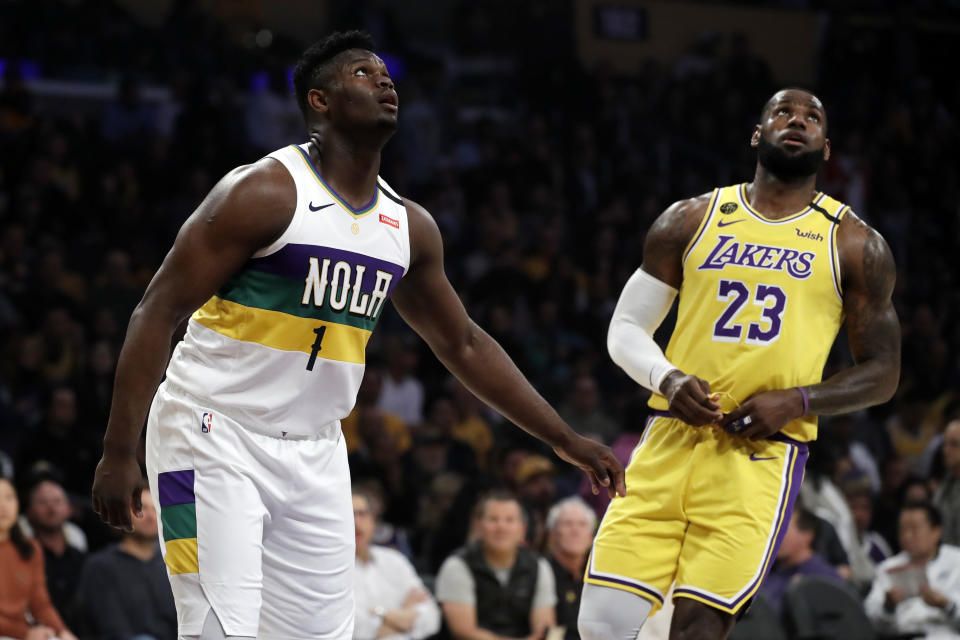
column 494, row 587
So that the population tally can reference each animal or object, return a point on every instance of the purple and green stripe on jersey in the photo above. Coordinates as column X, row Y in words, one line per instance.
column 280, row 301
column 178, row 515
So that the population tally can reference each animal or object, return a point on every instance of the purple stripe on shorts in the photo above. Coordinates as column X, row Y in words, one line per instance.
column 653, row 594
column 660, row 414
column 176, row 487
column 792, row 490
column 786, row 512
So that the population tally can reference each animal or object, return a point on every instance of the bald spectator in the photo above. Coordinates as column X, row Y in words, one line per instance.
column 390, row 598
column 570, row 525
column 947, row 498
column 494, row 587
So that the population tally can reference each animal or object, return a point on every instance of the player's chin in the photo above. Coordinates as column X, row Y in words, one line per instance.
column 388, row 121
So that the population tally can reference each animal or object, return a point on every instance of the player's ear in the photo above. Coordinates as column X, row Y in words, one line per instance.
column 317, row 100
column 755, row 138
column 826, row 149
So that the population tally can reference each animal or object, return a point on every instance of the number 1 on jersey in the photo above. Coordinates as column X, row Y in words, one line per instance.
column 315, row 347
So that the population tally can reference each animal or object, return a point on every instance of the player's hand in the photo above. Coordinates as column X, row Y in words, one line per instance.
column 116, row 490
column 933, row 597
column 689, row 398
column 764, row 414
column 597, row 461
column 66, row 635
column 893, row 597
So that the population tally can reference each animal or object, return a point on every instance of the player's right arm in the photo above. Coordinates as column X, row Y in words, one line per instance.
column 644, row 303
column 247, row 210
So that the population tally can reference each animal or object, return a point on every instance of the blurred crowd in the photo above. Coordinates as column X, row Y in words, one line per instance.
column 543, row 176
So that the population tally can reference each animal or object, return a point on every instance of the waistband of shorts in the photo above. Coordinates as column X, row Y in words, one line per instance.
column 329, row 431
column 778, row 437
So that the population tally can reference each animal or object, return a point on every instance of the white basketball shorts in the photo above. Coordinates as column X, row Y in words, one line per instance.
column 258, row 528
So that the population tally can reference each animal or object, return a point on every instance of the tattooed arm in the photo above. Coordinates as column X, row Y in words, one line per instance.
column 868, row 276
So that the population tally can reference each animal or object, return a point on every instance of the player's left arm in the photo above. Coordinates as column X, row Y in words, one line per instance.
column 873, row 331
column 428, row 303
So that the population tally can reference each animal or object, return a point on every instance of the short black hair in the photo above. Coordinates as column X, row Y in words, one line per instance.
column 497, row 495
column 310, row 67
column 933, row 514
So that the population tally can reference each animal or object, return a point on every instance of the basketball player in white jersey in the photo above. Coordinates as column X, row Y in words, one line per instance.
column 285, row 268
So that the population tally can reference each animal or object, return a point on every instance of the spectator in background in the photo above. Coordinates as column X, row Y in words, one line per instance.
column 23, row 587
column 947, row 498
column 571, row 524
column 368, row 397
column 64, row 442
column 795, row 558
column 402, row 393
column 390, row 598
column 584, row 413
column 471, row 427
column 495, row 585
column 536, row 491
column 918, row 590
column 860, row 500
column 123, row 592
column 63, row 543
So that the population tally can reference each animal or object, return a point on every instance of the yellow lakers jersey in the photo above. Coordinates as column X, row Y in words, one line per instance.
column 761, row 301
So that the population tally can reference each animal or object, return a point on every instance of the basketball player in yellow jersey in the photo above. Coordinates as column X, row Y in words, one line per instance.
column 283, row 271
column 766, row 273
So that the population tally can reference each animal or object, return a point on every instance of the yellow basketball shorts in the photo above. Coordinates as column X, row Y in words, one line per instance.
column 704, row 508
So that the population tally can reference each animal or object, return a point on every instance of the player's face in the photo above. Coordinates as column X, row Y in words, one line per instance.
column 9, row 507
column 364, row 93
column 501, row 527
column 917, row 536
column 791, row 140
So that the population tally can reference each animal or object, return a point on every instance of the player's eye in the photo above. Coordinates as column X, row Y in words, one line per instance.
column 815, row 117
column 362, row 71
column 783, row 111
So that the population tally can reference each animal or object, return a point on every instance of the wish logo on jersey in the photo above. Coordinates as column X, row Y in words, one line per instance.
column 728, row 251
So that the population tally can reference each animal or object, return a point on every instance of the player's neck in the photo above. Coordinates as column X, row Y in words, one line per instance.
column 776, row 198
column 349, row 169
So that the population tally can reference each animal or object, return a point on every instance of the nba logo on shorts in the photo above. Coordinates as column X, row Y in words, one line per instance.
column 206, row 422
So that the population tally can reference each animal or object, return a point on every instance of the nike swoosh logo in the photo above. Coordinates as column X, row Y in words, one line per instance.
column 323, row 206
column 754, row 457
column 724, row 223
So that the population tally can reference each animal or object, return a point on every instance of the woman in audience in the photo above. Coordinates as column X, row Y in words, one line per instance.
column 23, row 586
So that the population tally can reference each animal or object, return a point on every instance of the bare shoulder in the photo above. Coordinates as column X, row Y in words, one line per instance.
column 866, row 262
column 670, row 234
column 256, row 201
column 680, row 220
column 425, row 238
